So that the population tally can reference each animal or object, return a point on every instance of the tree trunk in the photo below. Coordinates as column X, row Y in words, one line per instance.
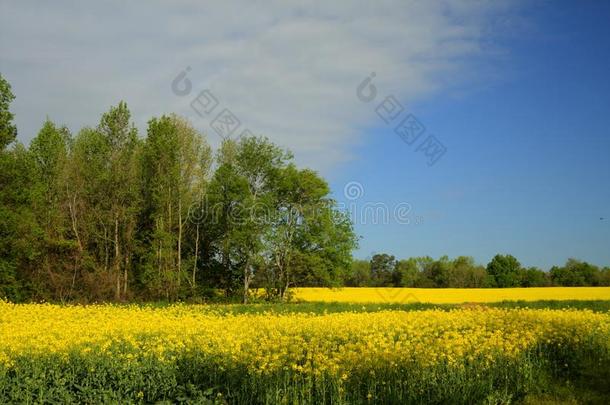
column 168, row 271
column 196, row 255
column 285, row 290
column 72, row 208
column 158, row 253
column 106, row 254
column 125, row 275
column 247, row 276
column 117, row 252
column 179, row 241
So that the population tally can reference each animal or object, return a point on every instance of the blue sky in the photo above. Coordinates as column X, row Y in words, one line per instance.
column 527, row 168
column 516, row 91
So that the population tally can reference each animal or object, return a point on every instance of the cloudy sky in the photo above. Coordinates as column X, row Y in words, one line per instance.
column 283, row 69
column 502, row 85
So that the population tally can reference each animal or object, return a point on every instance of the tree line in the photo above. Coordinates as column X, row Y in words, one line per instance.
column 384, row 270
column 108, row 214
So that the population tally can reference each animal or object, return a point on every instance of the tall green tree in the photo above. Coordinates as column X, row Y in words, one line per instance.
column 383, row 266
column 405, row 273
column 261, row 164
column 575, row 273
column 228, row 206
column 359, row 274
column 86, row 183
column 57, row 268
column 123, row 190
column 8, row 130
column 175, row 165
column 505, row 271
column 14, row 200
column 534, row 277
column 464, row 273
column 324, row 246
column 243, row 193
column 19, row 231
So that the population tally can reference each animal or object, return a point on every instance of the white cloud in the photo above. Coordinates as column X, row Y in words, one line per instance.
column 286, row 70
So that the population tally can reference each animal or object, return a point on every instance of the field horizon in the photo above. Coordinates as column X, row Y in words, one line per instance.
column 447, row 295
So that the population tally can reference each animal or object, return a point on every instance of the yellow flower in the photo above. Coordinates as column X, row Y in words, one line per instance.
column 333, row 345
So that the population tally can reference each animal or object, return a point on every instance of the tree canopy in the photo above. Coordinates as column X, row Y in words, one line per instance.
column 108, row 214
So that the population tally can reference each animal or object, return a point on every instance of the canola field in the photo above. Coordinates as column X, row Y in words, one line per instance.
column 449, row 295
column 206, row 354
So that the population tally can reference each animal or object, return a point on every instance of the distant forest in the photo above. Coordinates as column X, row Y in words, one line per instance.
column 384, row 270
column 108, row 214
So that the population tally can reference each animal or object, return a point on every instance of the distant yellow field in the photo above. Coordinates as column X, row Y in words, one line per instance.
column 449, row 295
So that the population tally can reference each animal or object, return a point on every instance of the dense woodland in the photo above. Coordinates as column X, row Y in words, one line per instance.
column 110, row 214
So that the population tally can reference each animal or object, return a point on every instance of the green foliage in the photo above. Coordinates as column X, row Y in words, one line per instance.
column 577, row 273
column 505, row 270
column 534, row 277
column 359, row 274
column 382, row 267
column 108, row 216
column 8, row 130
column 175, row 162
column 384, row 270
column 20, row 234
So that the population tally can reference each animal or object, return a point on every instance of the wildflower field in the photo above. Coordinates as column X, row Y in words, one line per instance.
column 303, row 354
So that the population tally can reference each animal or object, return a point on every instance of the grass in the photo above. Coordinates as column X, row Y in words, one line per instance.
column 334, row 307
column 586, row 384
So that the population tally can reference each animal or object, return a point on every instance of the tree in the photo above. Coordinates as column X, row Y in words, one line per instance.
column 308, row 241
column 242, row 198
column 16, row 223
column 86, row 204
column 229, row 204
column 122, row 188
column 438, row 272
column 175, row 164
column 575, row 273
column 505, row 270
column 424, row 279
column 262, row 164
column 406, row 273
column 604, row 277
column 464, row 273
column 323, row 247
column 359, row 274
column 19, row 233
column 533, row 277
column 57, row 268
column 382, row 268
column 8, row 130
